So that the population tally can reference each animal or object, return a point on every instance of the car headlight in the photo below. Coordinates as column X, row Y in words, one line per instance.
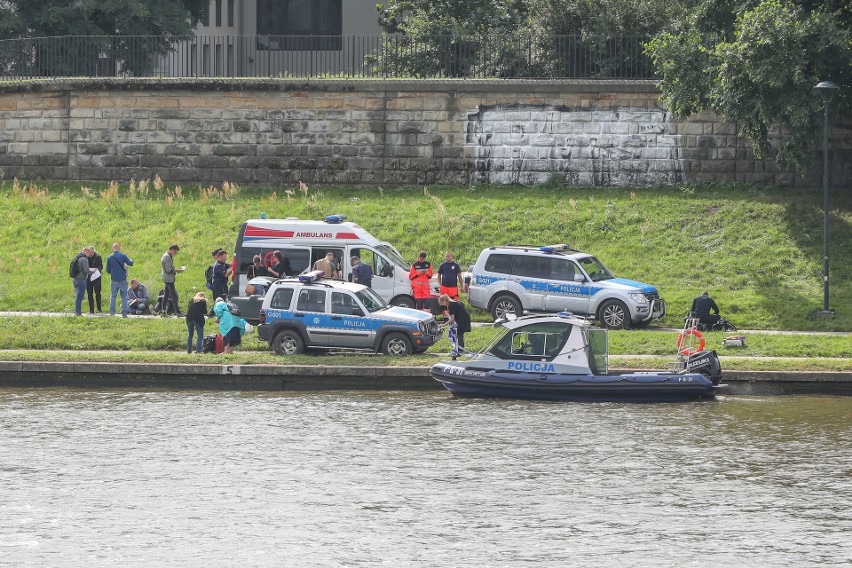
column 638, row 297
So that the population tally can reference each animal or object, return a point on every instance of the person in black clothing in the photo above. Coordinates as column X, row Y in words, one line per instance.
column 257, row 268
column 281, row 268
column 459, row 322
column 701, row 307
column 93, row 287
column 195, row 321
column 221, row 272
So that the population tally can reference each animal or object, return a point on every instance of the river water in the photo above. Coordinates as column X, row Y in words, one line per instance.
column 128, row 478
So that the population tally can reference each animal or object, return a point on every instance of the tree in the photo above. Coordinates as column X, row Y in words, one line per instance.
column 760, row 71
column 591, row 38
column 451, row 37
column 141, row 31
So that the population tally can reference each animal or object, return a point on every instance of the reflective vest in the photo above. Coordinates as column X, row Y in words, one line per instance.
column 420, row 273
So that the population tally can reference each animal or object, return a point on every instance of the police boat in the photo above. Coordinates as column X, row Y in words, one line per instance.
column 563, row 357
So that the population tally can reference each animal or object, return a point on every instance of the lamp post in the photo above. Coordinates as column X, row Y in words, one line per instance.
column 826, row 89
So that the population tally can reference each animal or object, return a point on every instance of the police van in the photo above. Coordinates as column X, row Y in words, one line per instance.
column 515, row 279
column 304, row 242
column 315, row 312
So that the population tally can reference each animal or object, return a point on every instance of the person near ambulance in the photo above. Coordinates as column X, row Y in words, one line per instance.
column 420, row 274
column 450, row 277
column 221, row 272
column 327, row 265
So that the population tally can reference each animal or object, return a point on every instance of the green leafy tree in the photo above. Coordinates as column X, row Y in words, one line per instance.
column 760, row 71
column 138, row 30
column 451, row 37
column 597, row 37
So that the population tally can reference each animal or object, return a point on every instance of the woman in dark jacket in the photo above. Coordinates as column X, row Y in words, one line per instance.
column 282, row 265
column 93, row 287
column 195, row 321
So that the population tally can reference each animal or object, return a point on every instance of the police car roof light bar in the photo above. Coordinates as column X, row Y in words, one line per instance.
column 311, row 276
column 554, row 248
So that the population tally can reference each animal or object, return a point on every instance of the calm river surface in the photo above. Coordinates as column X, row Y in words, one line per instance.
column 127, row 478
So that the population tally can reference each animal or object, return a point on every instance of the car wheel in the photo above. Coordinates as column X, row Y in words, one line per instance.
column 403, row 302
column 614, row 315
column 288, row 343
column 504, row 305
column 397, row 344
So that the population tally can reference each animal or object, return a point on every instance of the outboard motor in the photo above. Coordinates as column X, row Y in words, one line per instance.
column 707, row 363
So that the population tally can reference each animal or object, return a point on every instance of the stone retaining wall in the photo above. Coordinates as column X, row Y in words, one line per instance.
column 374, row 132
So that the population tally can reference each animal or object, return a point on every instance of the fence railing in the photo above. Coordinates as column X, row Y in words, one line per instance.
column 388, row 56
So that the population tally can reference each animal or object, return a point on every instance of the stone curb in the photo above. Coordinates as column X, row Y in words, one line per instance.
column 338, row 377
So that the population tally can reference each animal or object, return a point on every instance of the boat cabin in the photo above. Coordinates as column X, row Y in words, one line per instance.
column 559, row 343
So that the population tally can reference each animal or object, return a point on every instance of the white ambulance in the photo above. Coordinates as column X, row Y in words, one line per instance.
column 304, row 242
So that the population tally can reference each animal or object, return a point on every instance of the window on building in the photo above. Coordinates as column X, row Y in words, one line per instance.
column 231, row 13
column 300, row 25
column 219, row 13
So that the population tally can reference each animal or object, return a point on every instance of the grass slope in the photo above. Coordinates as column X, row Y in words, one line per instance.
column 758, row 250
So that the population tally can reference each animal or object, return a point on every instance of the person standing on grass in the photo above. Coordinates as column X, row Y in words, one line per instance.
column 420, row 274
column 459, row 323
column 80, row 274
column 93, row 284
column 195, row 321
column 116, row 267
column 221, row 271
column 450, row 276
column 231, row 327
column 170, row 296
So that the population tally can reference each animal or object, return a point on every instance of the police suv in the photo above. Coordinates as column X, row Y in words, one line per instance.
column 315, row 312
column 514, row 279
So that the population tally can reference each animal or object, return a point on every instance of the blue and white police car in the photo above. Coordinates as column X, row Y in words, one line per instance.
column 315, row 312
column 515, row 279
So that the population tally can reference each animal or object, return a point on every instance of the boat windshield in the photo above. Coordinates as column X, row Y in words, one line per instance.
column 535, row 341
column 394, row 256
column 370, row 300
column 595, row 269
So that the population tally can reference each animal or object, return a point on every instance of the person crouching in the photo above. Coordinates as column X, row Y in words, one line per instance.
column 231, row 327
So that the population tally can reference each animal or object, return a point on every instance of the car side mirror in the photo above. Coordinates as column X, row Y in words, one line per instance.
column 579, row 277
column 357, row 312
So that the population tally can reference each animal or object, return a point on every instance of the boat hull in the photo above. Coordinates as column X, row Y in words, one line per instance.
column 634, row 387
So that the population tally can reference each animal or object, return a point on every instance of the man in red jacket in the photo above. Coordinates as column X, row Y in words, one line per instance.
column 420, row 273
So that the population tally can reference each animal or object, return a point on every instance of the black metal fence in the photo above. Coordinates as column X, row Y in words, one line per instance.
column 387, row 56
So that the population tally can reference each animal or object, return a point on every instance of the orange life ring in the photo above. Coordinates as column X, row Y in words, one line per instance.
column 690, row 349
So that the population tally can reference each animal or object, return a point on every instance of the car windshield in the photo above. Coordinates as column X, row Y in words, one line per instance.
column 394, row 256
column 370, row 300
column 595, row 269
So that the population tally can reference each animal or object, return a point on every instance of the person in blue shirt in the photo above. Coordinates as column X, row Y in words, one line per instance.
column 450, row 276
column 116, row 267
column 361, row 273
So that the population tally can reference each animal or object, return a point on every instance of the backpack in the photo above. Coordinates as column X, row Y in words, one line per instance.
column 213, row 344
column 74, row 269
column 208, row 275
column 232, row 307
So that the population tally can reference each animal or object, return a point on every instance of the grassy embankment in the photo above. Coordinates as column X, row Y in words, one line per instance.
column 162, row 340
column 758, row 250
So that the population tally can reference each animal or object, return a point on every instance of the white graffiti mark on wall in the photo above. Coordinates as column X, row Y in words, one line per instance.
column 527, row 145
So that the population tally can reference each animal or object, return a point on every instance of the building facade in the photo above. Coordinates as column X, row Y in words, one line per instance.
column 278, row 38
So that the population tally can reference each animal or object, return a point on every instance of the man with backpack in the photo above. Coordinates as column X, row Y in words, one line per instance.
column 221, row 272
column 79, row 272
column 116, row 267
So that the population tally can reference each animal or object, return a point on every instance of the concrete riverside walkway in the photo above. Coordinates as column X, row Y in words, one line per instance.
column 95, row 375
